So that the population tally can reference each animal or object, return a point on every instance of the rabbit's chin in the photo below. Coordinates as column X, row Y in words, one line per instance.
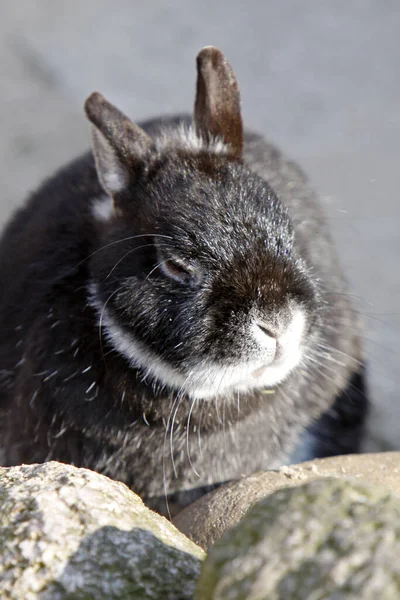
column 234, row 380
column 209, row 379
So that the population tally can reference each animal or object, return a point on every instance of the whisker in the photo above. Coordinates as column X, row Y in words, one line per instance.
column 199, row 431
column 101, row 321
column 332, row 349
column 238, row 402
column 310, row 373
column 156, row 267
column 164, row 458
column 172, row 413
column 126, row 239
column 171, row 436
column 375, row 365
column 188, row 438
column 363, row 316
column 125, row 255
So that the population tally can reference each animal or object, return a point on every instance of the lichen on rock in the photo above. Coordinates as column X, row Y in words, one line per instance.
column 328, row 539
column 206, row 520
column 71, row 533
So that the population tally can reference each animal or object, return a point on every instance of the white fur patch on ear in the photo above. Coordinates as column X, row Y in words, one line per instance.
column 115, row 181
column 103, row 208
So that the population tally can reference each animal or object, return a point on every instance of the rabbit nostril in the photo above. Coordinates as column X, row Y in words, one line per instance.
column 267, row 330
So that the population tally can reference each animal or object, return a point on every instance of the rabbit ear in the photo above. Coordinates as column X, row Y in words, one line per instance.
column 119, row 146
column 217, row 105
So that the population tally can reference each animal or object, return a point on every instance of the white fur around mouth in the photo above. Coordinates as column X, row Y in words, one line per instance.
column 206, row 380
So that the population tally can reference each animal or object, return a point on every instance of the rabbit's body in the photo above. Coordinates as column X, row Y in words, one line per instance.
column 114, row 359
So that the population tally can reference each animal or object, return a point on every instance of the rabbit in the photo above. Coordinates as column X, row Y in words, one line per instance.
column 172, row 310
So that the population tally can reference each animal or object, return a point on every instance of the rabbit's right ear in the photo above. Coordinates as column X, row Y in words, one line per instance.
column 119, row 146
column 217, row 104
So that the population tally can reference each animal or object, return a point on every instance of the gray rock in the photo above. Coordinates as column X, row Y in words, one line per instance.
column 206, row 520
column 71, row 533
column 327, row 540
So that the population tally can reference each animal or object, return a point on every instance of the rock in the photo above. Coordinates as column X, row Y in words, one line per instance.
column 71, row 533
column 208, row 518
column 326, row 540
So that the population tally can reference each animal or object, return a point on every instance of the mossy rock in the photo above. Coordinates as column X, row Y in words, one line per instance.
column 71, row 533
column 326, row 540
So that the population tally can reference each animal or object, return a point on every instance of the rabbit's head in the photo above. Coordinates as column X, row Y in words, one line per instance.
column 198, row 283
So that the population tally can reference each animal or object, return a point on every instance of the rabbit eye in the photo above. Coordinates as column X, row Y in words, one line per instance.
column 178, row 269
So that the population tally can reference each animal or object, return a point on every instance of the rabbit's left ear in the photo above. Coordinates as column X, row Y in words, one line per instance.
column 217, row 104
column 119, row 146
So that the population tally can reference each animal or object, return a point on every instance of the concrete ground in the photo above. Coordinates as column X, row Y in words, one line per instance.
column 319, row 78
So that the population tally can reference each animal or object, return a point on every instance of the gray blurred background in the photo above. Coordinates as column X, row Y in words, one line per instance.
column 319, row 78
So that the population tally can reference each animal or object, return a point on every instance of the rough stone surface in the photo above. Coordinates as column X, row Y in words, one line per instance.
column 71, row 533
column 327, row 540
column 208, row 518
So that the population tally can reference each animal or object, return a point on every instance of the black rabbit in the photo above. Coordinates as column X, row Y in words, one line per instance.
column 172, row 311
